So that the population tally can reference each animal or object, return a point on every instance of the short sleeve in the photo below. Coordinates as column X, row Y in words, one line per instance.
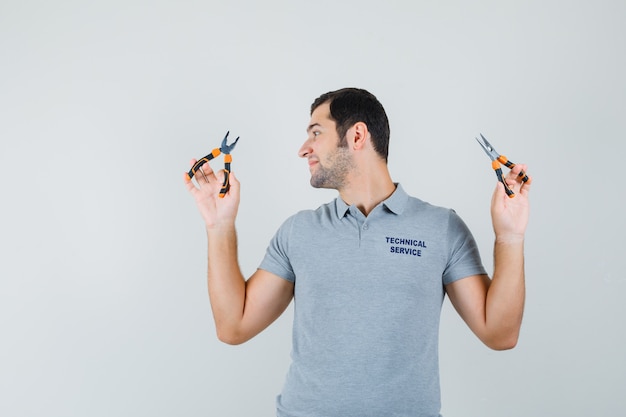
column 463, row 255
column 276, row 258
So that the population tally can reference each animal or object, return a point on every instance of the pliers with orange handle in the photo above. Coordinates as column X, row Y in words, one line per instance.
column 223, row 149
column 496, row 160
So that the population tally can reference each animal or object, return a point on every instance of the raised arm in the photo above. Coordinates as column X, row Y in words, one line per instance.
column 241, row 309
column 493, row 309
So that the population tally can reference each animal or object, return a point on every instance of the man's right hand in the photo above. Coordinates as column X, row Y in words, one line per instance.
column 215, row 211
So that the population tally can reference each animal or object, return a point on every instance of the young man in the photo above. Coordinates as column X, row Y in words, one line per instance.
column 368, row 273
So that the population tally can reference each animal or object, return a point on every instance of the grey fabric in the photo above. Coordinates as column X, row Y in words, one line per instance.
column 368, row 296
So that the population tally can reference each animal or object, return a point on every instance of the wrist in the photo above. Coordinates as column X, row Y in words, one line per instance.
column 221, row 227
column 509, row 238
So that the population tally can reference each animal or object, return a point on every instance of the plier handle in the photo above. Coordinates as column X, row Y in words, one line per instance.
column 223, row 149
column 496, row 160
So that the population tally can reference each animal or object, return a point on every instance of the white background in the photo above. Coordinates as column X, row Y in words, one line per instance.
column 103, row 305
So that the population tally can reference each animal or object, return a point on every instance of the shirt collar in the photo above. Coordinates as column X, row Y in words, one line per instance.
column 342, row 207
column 395, row 203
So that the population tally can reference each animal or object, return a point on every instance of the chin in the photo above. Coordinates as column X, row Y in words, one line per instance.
column 322, row 185
column 315, row 184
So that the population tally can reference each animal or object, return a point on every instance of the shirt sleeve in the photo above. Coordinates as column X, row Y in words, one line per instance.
column 463, row 256
column 276, row 258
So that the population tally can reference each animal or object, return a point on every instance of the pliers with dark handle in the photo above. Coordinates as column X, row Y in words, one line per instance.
column 496, row 160
column 223, row 149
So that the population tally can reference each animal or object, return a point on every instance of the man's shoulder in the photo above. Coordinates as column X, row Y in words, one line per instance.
column 434, row 216
column 324, row 212
column 416, row 205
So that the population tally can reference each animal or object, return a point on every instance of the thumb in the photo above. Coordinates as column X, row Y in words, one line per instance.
column 498, row 192
column 234, row 182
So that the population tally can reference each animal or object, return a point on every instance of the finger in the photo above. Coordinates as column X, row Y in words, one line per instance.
column 522, row 167
column 234, row 183
column 499, row 198
column 526, row 186
column 523, row 185
column 189, row 184
column 499, row 192
column 206, row 180
column 514, row 174
column 209, row 174
column 221, row 174
column 207, row 169
column 233, row 179
column 204, row 168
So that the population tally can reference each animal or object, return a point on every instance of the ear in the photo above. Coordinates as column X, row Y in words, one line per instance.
column 359, row 136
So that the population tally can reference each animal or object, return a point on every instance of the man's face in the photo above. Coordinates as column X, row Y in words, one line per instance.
column 329, row 163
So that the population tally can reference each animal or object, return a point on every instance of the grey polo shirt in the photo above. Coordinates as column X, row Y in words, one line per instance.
column 368, row 296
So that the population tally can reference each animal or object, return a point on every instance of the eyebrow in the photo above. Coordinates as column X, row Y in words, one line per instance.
column 311, row 126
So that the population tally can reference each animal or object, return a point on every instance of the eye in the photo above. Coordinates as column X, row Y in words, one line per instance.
column 316, row 132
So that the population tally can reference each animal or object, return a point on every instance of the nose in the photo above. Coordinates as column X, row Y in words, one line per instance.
column 305, row 149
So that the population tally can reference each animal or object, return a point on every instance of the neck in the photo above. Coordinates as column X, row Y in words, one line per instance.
column 367, row 188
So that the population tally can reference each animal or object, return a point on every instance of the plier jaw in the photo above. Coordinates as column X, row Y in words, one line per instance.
column 227, row 149
column 484, row 143
column 496, row 160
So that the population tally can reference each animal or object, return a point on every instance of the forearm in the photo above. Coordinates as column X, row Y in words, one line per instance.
column 493, row 308
column 226, row 284
column 506, row 295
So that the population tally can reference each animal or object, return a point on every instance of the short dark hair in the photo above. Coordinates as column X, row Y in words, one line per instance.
column 352, row 105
